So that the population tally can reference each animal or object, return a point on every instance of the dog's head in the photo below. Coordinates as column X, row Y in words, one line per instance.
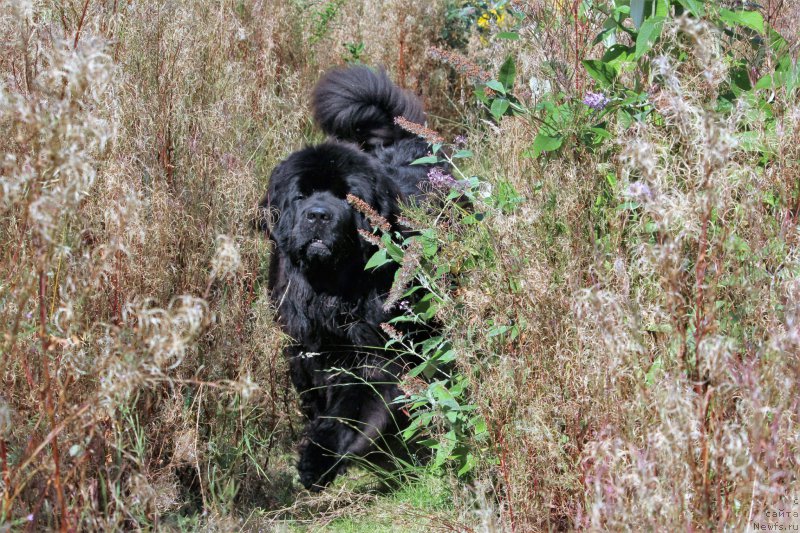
column 306, row 211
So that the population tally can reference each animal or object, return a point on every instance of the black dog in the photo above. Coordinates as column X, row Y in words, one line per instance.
column 326, row 301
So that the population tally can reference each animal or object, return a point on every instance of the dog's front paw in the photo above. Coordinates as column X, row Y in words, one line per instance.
column 318, row 465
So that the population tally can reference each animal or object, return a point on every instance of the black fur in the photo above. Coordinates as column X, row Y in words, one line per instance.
column 330, row 306
column 359, row 105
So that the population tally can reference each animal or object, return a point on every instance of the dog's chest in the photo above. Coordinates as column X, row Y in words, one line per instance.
column 349, row 322
column 334, row 314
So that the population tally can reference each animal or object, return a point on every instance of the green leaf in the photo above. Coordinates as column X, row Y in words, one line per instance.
column 394, row 251
column 751, row 141
column 786, row 75
column 695, row 7
column 628, row 206
column 446, row 357
column 462, row 153
column 417, row 370
column 431, row 344
column 748, row 19
column 771, row 81
column 662, row 8
column 510, row 35
column 650, row 377
column 778, row 44
column 600, row 133
column 469, row 464
column 420, row 421
column 607, row 35
column 622, row 9
column 651, row 227
column 508, row 73
column 546, row 143
column 478, row 424
column 480, row 94
column 601, row 72
column 648, row 35
column 499, row 106
column 429, row 244
column 785, row 63
column 740, row 79
column 378, row 259
column 444, row 449
column 498, row 330
column 496, row 86
column 427, row 160
column 471, row 219
column 625, row 118
column 619, row 53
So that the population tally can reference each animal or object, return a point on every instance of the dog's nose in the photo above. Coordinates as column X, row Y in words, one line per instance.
column 318, row 214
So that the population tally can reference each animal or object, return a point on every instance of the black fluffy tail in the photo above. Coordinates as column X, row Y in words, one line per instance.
column 359, row 105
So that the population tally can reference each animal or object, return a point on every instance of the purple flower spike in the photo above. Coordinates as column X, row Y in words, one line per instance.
column 640, row 191
column 440, row 179
column 596, row 101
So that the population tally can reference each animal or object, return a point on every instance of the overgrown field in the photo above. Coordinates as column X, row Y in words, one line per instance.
column 620, row 303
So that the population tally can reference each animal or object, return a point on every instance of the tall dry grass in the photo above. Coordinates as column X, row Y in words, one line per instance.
column 140, row 359
column 654, row 382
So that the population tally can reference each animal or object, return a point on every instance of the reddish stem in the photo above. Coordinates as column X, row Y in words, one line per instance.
column 507, row 480
column 48, row 396
column 401, row 59
column 80, row 24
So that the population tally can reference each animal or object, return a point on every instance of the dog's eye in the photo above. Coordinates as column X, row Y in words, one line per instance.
column 299, row 197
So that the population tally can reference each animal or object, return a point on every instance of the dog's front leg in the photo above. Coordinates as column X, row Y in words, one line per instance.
column 356, row 424
column 302, row 370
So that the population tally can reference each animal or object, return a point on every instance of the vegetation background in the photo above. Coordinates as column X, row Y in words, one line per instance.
column 625, row 317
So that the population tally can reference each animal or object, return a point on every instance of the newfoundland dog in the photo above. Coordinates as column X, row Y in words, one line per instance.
column 327, row 302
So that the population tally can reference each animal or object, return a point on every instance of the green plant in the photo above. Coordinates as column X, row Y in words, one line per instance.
column 354, row 52
column 631, row 38
column 323, row 18
column 461, row 16
column 441, row 409
column 624, row 76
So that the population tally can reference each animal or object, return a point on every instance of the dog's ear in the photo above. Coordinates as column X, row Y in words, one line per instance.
column 261, row 220
column 266, row 215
